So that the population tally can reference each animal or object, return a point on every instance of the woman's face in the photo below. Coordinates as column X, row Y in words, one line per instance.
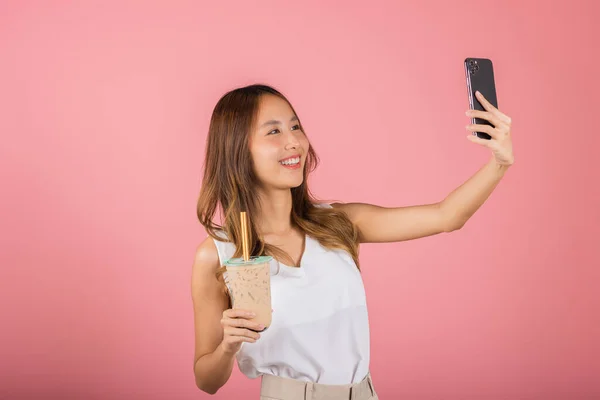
column 276, row 137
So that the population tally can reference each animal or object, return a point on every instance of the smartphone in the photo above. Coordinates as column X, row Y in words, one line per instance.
column 480, row 77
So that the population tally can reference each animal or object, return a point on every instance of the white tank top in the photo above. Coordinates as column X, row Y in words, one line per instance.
column 320, row 328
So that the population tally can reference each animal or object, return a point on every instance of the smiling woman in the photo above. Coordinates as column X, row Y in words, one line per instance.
column 258, row 158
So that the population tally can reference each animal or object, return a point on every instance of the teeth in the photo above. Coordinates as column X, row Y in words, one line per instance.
column 291, row 161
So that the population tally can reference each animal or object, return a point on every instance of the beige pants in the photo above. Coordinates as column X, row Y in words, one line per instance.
column 277, row 388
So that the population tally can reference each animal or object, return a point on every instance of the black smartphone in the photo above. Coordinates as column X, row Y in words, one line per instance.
column 480, row 77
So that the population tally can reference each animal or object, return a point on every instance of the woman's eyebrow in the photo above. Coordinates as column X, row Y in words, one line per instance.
column 277, row 122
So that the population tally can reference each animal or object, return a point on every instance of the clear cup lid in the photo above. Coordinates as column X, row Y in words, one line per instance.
column 254, row 260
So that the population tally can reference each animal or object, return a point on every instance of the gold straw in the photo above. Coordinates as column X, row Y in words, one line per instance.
column 245, row 244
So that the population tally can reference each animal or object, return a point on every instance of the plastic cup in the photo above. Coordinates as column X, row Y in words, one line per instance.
column 249, row 285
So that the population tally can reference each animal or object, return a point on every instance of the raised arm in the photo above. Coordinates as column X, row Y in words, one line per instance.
column 378, row 224
column 395, row 224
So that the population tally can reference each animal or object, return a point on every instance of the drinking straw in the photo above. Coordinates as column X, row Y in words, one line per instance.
column 245, row 244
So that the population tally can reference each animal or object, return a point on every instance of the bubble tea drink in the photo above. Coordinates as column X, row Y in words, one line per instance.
column 249, row 285
column 248, row 281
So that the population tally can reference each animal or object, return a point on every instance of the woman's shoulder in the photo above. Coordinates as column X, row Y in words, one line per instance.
column 206, row 256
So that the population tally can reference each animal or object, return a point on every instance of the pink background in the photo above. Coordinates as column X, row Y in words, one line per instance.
column 104, row 109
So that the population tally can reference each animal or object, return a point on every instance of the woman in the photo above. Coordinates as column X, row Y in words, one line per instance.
column 258, row 158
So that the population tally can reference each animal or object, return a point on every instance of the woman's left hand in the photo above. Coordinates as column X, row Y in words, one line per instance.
column 501, row 141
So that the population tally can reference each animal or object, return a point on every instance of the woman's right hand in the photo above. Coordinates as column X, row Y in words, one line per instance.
column 238, row 328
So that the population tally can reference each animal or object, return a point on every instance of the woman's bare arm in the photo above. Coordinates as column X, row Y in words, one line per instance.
column 378, row 224
column 212, row 366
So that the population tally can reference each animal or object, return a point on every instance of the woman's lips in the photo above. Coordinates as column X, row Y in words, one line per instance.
column 292, row 166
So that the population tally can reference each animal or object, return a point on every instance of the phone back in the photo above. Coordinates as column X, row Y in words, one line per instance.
column 480, row 77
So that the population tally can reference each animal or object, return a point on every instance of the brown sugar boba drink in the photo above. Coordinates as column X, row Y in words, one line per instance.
column 249, row 285
column 248, row 281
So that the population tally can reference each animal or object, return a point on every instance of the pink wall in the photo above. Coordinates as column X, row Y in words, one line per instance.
column 104, row 108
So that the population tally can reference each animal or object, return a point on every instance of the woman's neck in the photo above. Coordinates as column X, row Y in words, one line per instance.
column 275, row 213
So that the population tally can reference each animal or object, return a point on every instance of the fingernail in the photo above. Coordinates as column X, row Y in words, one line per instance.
column 467, row 112
column 261, row 327
column 251, row 314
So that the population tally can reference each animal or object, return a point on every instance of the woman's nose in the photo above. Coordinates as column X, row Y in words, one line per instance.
column 292, row 140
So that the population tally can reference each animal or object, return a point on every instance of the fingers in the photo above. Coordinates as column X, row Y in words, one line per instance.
column 242, row 323
column 238, row 328
column 485, row 115
column 493, row 110
column 236, row 317
column 238, row 313
column 231, row 342
column 478, row 140
column 490, row 130
column 247, row 333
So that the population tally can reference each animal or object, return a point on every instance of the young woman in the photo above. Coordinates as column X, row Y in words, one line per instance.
column 258, row 158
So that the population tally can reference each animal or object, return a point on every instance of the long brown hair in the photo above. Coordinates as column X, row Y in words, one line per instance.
column 229, row 182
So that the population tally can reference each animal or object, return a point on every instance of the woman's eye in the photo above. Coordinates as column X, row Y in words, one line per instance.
column 277, row 130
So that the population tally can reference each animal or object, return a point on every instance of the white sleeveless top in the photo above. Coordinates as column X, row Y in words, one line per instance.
column 320, row 328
